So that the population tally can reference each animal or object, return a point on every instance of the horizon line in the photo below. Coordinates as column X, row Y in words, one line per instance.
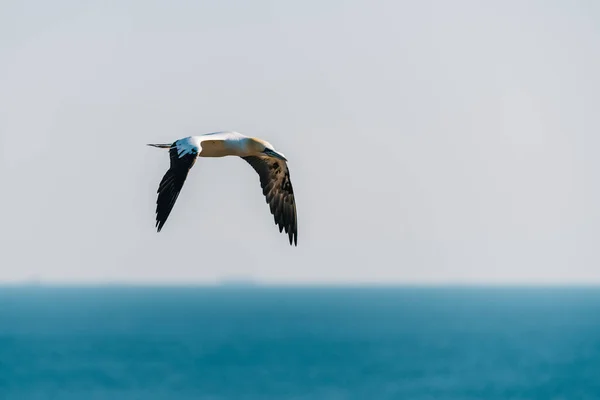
column 234, row 283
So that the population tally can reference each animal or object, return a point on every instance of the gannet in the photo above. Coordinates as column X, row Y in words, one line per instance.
column 270, row 165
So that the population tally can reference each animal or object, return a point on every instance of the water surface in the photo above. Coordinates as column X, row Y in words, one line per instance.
column 299, row 343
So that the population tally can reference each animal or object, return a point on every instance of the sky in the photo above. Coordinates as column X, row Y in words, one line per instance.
column 429, row 142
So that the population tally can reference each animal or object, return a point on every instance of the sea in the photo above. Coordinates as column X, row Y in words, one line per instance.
column 268, row 342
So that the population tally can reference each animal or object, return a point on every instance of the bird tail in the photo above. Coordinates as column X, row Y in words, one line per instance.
column 161, row 146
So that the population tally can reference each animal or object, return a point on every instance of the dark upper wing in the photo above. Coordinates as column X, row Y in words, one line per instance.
column 171, row 184
column 277, row 188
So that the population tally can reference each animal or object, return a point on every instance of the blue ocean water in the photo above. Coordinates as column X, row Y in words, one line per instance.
column 299, row 343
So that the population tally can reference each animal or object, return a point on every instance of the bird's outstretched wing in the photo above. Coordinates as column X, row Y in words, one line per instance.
column 277, row 188
column 172, row 182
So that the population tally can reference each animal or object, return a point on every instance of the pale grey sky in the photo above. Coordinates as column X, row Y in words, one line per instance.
column 429, row 141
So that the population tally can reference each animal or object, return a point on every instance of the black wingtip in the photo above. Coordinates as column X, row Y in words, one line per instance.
column 159, row 225
column 293, row 238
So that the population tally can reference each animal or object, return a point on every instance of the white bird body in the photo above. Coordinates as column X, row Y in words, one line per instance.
column 218, row 144
column 260, row 154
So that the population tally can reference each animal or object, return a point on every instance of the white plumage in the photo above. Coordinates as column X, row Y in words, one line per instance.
column 270, row 165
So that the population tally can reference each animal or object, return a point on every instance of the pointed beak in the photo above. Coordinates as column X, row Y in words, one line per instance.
column 274, row 154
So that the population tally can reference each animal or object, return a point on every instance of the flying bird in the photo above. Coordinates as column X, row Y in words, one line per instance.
column 270, row 165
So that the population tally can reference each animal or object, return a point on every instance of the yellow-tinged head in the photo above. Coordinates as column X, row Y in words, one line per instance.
column 261, row 147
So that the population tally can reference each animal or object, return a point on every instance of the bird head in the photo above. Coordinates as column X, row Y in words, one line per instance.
column 261, row 147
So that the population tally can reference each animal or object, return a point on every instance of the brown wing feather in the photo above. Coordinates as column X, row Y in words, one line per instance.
column 279, row 194
column 171, row 184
